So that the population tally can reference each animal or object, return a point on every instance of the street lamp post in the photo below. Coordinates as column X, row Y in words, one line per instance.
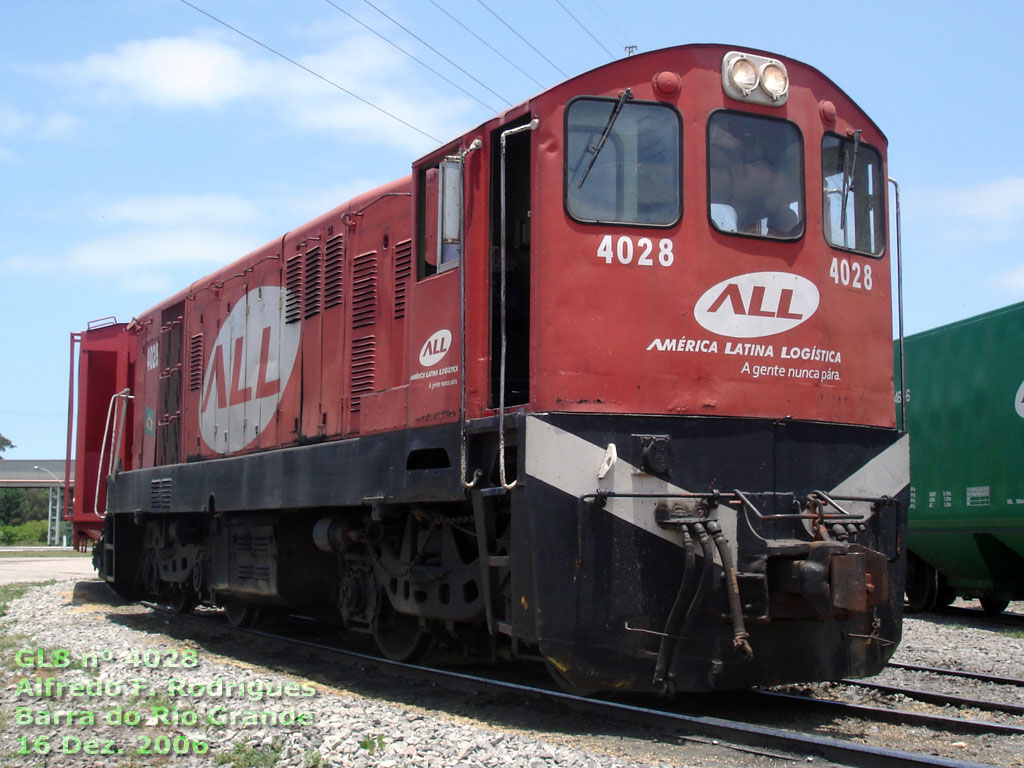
column 53, row 509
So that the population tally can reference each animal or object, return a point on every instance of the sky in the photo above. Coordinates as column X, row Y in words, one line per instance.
column 144, row 144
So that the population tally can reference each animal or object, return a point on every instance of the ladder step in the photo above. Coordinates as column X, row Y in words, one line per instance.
column 503, row 628
column 498, row 561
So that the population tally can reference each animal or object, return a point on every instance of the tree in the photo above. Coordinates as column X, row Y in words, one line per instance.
column 5, row 444
column 19, row 505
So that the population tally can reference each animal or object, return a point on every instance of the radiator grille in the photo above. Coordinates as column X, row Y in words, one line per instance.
column 334, row 259
column 364, row 353
column 311, row 297
column 364, row 290
column 403, row 271
column 195, row 363
column 293, row 292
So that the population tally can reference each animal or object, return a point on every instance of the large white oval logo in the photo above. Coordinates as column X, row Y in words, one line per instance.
column 757, row 304
column 1018, row 401
column 247, row 370
column 435, row 348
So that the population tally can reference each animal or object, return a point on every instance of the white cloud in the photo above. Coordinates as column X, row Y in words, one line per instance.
column 170, row 72
column 15, row 122
column 12, row 120
column 1009, row 281
column 199, row 72
column 133, row 250
column 57, row 126
column 162, row 243
column 988, row 214
column 1000, row 202
column 7, row 156
column 183, row 210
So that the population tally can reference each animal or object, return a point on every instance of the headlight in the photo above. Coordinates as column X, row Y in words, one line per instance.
column 774, row 80
column 755, row 79
column 744, row 75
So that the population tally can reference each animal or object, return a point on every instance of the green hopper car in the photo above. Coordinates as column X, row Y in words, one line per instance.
column 964, row 407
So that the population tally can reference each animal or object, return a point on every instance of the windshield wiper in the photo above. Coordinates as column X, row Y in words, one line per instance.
column 848, row 171
column 596, row 148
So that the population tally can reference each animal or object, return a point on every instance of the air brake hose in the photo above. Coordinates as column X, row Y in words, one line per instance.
column 739, row 631
column 668, row 640
column 703, row 577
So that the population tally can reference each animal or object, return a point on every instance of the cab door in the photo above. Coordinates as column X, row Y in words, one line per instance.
column 510, row 263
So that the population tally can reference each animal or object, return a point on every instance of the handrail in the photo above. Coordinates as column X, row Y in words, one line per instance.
column 124, row 394
column 899, row 313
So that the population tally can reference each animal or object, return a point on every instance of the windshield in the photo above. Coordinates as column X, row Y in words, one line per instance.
column 755, row 176
column 633, row 177
column 852, row 187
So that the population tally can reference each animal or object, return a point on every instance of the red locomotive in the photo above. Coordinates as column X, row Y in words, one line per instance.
column 605, row 381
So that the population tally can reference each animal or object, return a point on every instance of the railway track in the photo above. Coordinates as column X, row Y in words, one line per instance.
column 706, row 717
column 1005, row 619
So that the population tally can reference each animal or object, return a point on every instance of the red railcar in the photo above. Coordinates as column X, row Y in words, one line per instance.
column 606, row 380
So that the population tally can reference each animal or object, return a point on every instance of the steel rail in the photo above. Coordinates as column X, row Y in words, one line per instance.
column 942, row 699
column 898, row 716
column 1006, row 618
column 731, row 734
column 982, row 676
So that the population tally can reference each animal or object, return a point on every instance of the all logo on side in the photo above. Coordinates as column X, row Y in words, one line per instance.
column 435, row 348
column 247, row 371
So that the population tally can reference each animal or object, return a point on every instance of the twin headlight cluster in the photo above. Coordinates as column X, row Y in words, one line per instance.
column 752, row 78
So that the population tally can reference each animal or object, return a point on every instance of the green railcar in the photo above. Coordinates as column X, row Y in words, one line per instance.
column 964, row 406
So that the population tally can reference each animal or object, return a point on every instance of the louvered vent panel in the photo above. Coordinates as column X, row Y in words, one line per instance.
column 160, row 494
column 364, row 290
column 312, row 297
column 293, row 290
column 248, row 541
column 364, row 354
column 195, row 363
column 334, row 259
column 403, row 271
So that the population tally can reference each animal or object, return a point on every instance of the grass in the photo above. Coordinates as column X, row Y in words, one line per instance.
column 10, row 592
column 373, row 743
column 41, row 552
column 244, row 756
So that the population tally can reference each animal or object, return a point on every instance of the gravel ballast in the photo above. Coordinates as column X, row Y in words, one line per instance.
column 199, row 703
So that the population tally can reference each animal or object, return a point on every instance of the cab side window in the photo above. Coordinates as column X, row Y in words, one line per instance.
column 853, row 194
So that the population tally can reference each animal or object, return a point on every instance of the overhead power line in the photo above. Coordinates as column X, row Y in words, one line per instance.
column 399, row 48
column 424, row 42
column 304, row 68
column 532, row 47
column 584, row 28
column 522, row 71
column 607, row 22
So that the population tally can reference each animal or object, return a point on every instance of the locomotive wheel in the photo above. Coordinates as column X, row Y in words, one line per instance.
column 922, row 585
column 399, row 635
column 239, row 615
column 992, row 606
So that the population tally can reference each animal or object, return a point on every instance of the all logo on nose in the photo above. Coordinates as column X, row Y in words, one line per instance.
column 757, row 304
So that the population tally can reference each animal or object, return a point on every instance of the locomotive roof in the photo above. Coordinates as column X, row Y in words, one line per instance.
column 635, row 61
column 404, row 184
